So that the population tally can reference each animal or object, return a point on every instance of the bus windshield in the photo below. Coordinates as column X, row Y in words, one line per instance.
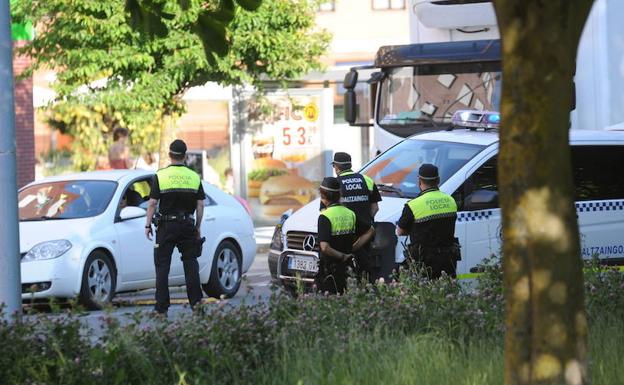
column 428, row 95
column 396, row 171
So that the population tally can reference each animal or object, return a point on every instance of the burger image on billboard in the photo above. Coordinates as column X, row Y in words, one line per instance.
column 269, row 163
column 280, row 193
column 263, row 169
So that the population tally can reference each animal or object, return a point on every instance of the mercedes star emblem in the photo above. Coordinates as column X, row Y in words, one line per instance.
column 309, row 242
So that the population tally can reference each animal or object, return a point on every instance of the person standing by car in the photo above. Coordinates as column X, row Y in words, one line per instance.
column 179, row 190
column 119, row 153
column 340, row 233
column 358, row 193
column 429, row 219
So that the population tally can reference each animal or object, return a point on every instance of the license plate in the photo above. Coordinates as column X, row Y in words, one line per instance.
column 303, row 264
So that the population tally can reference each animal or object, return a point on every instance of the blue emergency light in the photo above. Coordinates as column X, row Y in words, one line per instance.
column 474, row 119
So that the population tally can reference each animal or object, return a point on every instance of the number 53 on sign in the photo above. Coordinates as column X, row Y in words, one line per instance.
column 300, row 136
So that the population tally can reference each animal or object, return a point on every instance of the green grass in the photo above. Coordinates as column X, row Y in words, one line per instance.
column 606, row 351
column 424, row 359
column 415, row 360
column 428, row 359
column 410, row 332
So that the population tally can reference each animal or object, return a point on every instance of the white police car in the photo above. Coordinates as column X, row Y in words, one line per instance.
column 467, row 160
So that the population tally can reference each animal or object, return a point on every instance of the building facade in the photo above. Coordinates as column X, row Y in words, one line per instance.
column 24, row 120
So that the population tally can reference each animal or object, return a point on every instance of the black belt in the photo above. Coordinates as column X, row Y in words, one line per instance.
column 176, row 217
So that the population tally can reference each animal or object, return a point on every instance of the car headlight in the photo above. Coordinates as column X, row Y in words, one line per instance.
column 47, row 250
column 277, row 242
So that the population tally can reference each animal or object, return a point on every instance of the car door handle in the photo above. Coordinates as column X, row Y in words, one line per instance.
column 209, row 219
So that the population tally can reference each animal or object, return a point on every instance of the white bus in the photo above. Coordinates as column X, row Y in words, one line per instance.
column 454, row 63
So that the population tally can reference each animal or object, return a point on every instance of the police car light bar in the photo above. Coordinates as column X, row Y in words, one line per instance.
column 474, row 119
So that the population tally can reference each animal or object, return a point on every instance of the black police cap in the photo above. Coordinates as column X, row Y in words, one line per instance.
column 342, row 158
column 330, row 184
column 428, row 172
column 177, row 147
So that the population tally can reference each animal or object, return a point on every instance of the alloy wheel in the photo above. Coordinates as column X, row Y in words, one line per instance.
column 227, row 269
column 99, row 280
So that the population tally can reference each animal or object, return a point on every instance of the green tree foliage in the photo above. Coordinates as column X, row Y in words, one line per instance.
column 106, row 64
column 148, row 16
column 92, row 125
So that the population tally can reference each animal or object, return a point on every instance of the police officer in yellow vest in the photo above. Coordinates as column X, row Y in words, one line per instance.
column 340, row 233
column 429, row 220
column 179, row 190
column 358, row 193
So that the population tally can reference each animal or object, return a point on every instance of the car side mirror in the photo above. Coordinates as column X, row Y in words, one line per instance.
column 131, row 212
column 481, row 200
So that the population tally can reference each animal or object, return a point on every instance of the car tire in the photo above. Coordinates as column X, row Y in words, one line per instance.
column 226, row 272
column 99, row 280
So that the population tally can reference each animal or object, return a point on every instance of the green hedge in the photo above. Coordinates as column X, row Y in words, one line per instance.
column 412, row 331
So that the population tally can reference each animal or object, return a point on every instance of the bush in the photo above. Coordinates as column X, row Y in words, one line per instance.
column 604, row 288
column 604, row 285
column 290, row 339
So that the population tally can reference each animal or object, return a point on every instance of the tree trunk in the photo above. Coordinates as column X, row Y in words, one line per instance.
column 167, row 135
column 546, row 327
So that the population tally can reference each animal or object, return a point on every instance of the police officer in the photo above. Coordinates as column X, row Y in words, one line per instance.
column 429, row 219
column 179, row 190
column 340, row 233
column 358, row 193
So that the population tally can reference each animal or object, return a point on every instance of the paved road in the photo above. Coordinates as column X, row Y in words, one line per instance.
column 255, row 287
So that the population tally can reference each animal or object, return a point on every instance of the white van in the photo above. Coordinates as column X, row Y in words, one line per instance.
column 467, row 162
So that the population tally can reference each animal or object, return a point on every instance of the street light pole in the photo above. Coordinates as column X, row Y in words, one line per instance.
column 10, row 286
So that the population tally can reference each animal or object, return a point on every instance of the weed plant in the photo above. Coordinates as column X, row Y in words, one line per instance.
column 410, row 331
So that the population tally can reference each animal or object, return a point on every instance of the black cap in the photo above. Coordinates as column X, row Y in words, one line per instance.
column 342, row 158
column 428, row 172
column 177, row 147
column 330, row 184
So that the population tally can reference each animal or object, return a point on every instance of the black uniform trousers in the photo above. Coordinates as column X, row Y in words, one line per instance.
column 368, row 266
column 332, row 277
column 183, row 235
column 435, row 260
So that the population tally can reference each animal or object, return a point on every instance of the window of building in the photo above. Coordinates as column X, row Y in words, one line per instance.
column 327, row 6
column 382, row 5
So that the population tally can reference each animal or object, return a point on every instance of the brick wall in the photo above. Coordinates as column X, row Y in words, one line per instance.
column 24, row 122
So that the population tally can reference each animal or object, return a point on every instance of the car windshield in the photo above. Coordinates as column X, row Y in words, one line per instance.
column 65, row 199
column 429, row 95
column 396, row 171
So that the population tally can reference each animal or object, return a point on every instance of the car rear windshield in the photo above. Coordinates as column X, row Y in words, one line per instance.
column 396, row 171
column 65, row 199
